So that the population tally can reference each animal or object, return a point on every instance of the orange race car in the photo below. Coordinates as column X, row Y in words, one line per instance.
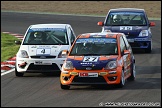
column 98, row 58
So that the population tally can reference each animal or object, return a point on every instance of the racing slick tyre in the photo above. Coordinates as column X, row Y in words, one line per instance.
column 122, row 80
column 18, row 74
column 149, row 49
column 133, row 73
column 65, row 87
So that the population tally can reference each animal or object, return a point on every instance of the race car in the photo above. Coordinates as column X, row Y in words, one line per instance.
column 134, row 23
column 41, row 50
column 98, row 58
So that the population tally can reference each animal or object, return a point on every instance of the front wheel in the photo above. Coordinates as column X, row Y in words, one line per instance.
column 149, row 49
column 122, row 80
column 65, row 87
column 18, row 74
column 133, row 73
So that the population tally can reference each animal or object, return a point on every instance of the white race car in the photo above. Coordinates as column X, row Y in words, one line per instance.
column 42, row 48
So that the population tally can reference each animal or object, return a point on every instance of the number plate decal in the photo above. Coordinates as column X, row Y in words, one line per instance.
column 43, row 63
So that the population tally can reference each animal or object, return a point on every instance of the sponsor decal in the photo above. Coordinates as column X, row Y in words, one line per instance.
column 85, row 74
column 141, row 39
column 88, row 68
column 34, row 46
column 46, row 29
column 99, row 40
column 120, row 62
column 130, row 40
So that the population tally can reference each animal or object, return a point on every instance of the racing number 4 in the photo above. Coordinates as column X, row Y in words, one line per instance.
column 43, row 51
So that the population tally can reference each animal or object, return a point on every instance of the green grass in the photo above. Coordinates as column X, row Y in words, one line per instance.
column 8, row 46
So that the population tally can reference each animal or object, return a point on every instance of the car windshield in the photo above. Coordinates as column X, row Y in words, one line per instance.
column 126, row 18
column 46, row 36
column 94, row 46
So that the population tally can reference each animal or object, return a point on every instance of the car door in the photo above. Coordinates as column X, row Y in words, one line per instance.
column 125, row 57
column 72, row 35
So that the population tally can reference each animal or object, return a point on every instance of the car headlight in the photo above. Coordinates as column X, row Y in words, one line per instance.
column 68, row 65
column 111, row 65
column 143, row 33
column 23, row 54
column 63, row 54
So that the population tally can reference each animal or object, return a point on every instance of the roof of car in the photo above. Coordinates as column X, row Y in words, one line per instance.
column 128, row 9
column 49, row 26
column 100, row 34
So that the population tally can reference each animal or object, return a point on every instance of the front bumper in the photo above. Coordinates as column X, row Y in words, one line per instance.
column 140, row 42
column 73, row 78
column 39, row 65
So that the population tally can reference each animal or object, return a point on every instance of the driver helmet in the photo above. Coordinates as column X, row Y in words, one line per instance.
column 116, row 18
column 37, row 34
column 87, row 46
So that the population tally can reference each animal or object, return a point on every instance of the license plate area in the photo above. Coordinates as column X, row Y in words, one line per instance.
column 42, row 63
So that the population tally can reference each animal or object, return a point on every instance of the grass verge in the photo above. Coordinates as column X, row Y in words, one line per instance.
column 8, row 46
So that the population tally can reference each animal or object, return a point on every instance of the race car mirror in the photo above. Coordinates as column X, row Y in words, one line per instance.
column 17, row 42
column 152, row 23
column 126, row 52
column 100, row 23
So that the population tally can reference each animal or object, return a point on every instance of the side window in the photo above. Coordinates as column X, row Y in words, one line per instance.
column 72, row 38
column 122, row 45
column 126, row 42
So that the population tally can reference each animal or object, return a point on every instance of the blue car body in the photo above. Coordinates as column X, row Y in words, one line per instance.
column 133, row 23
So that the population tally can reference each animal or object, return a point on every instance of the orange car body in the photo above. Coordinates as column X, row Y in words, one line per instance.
column 98, row 67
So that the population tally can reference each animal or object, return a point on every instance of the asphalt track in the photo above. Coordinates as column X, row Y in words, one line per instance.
column 39, row 90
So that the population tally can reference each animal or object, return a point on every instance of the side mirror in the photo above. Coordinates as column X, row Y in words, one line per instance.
column 152, row 24
column 100, row 23
column 126, row 52
column 17, row 42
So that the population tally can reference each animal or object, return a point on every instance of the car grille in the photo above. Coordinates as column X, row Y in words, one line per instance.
column 89, row 79
column 134, row 44
column 43, row 57
column 93, row 68
column 132, row 36
column 43, row 68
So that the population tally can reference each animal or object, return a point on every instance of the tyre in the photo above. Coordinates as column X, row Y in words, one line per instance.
column 133, row 73
column 122, row 80
column 18, row 74
column 149, row 49
column 65, row 87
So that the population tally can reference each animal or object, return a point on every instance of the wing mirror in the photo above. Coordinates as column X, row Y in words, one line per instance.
column 100, row 23
column 126, row 52
column 152, row 23
column 17, row 42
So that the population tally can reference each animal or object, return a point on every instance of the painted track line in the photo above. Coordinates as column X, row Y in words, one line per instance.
column 3, row 73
